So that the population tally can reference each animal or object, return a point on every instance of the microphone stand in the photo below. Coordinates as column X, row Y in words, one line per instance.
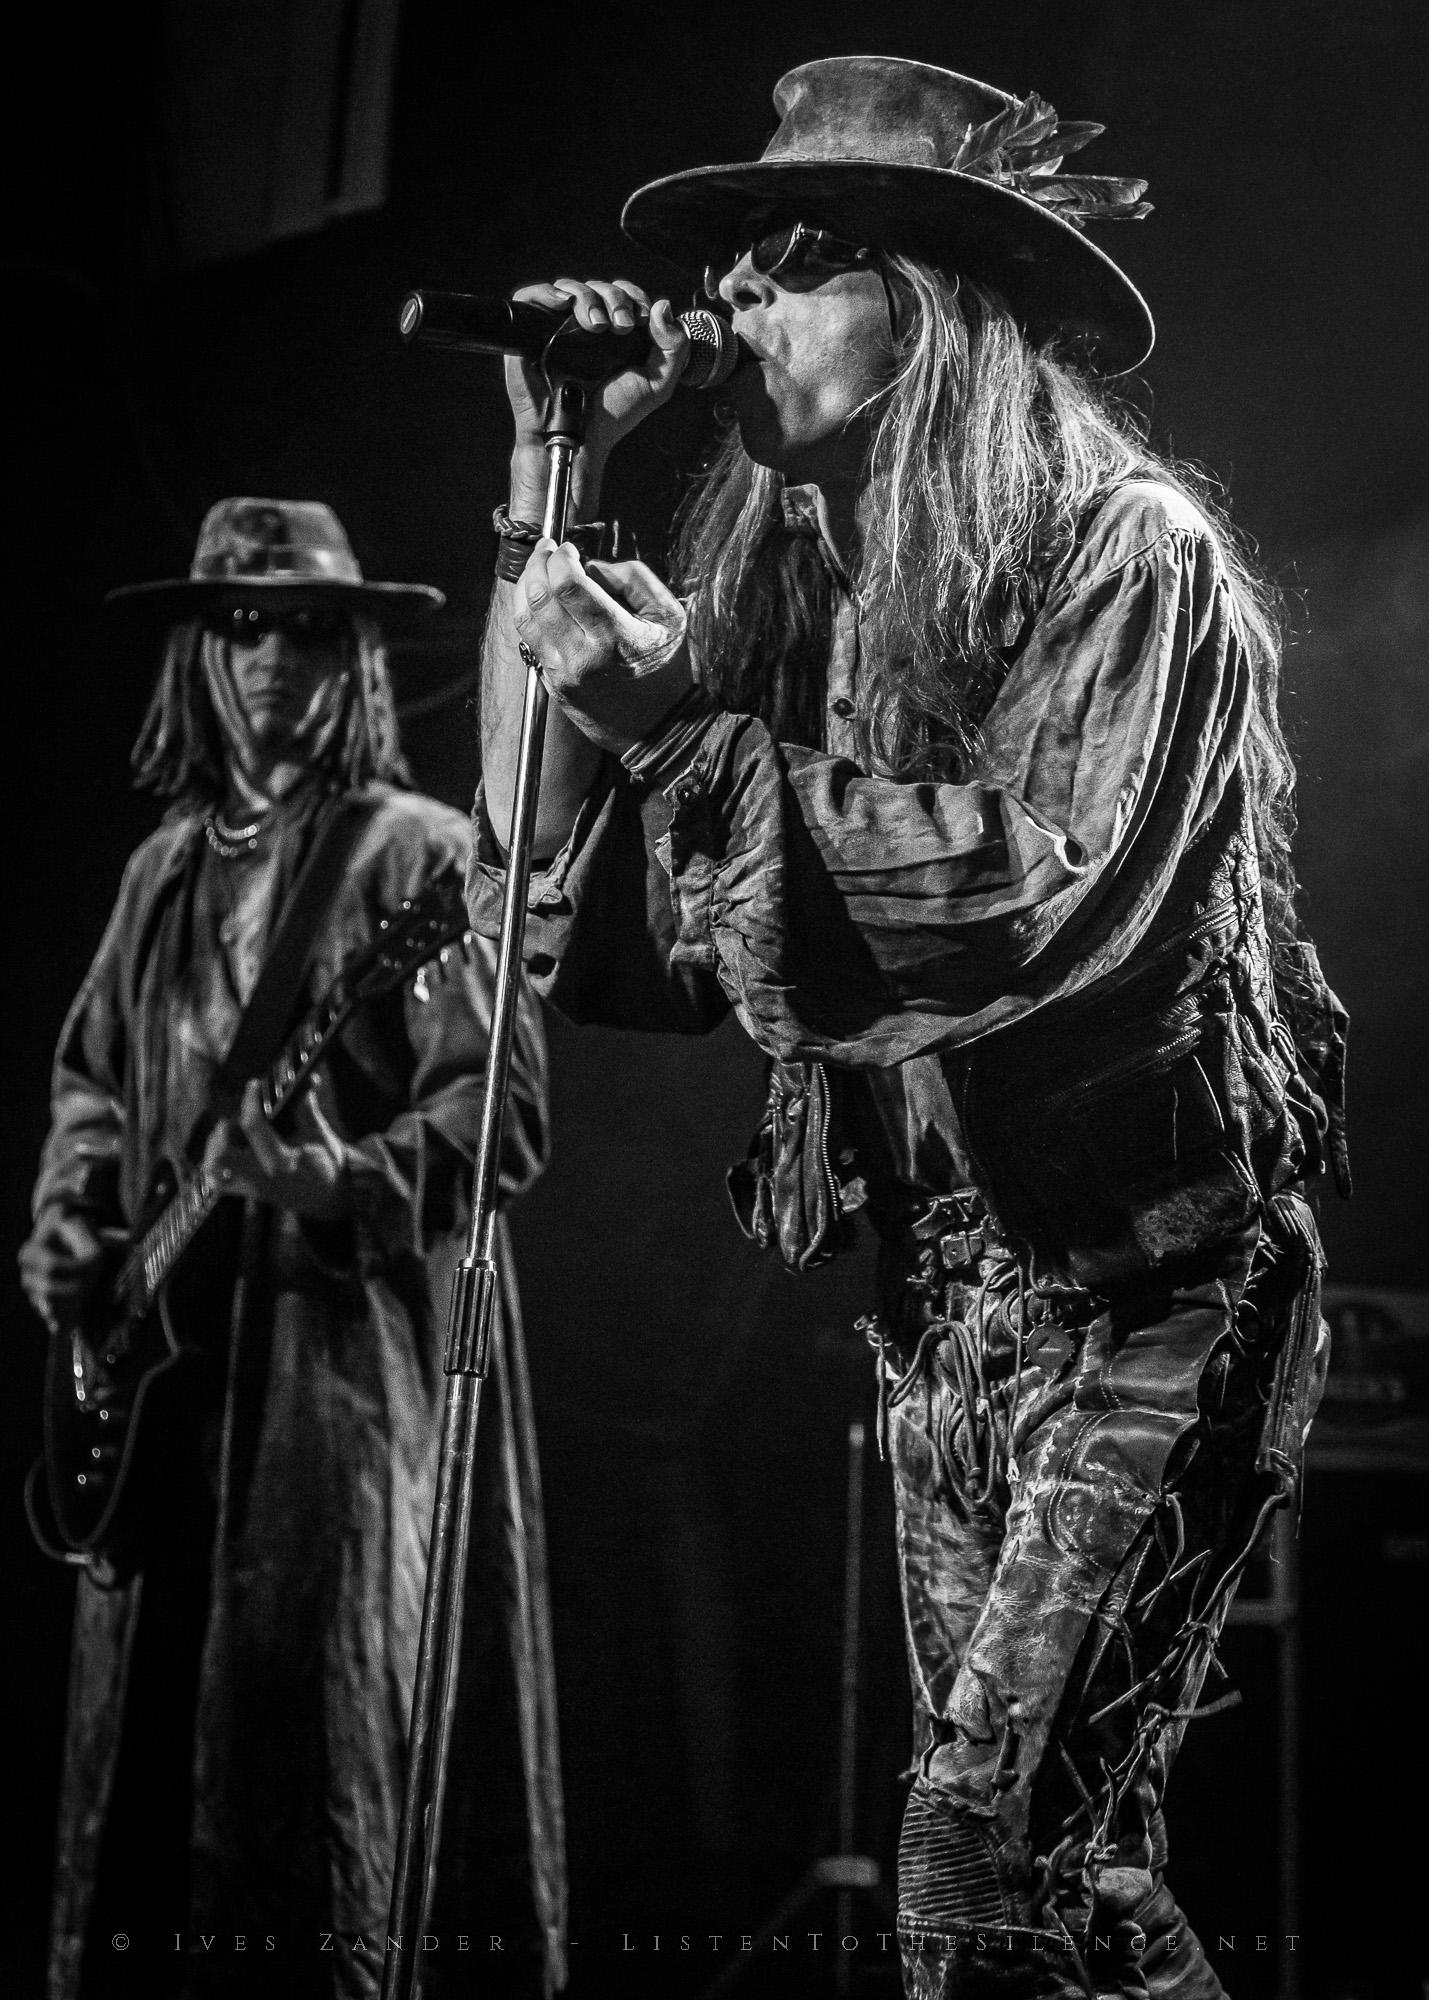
column 469, row 1319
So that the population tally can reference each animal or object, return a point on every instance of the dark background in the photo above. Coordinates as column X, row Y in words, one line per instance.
column 692, row 1400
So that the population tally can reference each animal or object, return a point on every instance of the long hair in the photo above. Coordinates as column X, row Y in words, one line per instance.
column 986, row 456
column 179, row 749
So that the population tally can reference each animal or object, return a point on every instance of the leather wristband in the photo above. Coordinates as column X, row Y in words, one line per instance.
column 516, row 539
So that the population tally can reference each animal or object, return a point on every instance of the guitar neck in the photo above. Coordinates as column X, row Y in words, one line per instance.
column 164, row 1242
column 422, row 931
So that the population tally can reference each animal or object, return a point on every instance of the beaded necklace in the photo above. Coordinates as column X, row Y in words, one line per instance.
column 230, row 842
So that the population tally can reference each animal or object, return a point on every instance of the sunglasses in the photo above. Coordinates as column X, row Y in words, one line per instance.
column 795, row 249
column 306, row 625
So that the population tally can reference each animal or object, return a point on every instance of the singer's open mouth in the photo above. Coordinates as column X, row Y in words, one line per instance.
column 760, row 354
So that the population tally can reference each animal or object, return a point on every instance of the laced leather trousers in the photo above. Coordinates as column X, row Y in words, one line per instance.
column 1079, row 1482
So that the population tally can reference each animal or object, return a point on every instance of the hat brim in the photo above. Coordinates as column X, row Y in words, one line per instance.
column 1058, row 283
column 392, row 604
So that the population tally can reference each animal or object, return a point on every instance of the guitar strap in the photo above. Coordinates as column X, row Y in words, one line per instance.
column 264, row 1021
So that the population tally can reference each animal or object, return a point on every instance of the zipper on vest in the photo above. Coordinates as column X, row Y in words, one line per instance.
column 1161, row 1057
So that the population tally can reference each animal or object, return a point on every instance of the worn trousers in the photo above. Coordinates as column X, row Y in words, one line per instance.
column 1080, row 1482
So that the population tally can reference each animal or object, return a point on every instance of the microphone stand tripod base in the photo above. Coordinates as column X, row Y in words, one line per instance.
column 842, row 1876
column 845, row 1874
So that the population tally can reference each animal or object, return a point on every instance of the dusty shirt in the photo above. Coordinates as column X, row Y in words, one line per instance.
column 924, row 935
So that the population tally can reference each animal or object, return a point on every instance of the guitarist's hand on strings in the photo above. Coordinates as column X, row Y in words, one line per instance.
column 60, row 1268
column 307, row 1175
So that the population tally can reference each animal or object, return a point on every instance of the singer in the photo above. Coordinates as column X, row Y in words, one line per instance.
column 951, row 762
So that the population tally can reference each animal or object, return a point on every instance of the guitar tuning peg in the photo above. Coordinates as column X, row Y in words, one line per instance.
column 420, row 987
column 468, row 939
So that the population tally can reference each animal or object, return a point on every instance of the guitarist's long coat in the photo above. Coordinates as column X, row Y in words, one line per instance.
column 305, row 1465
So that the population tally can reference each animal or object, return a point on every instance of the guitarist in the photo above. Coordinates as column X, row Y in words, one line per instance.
column 238, row 1708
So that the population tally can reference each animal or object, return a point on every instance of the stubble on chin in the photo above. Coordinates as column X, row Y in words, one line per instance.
column 757, row 420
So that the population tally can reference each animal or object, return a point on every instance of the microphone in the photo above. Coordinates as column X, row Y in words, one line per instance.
column 472, row 325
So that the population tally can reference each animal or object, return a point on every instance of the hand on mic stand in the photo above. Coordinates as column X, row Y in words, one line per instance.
column 611, row 641
column 613, row 408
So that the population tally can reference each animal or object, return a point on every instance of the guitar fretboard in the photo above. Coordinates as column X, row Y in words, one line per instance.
column 162, row 1245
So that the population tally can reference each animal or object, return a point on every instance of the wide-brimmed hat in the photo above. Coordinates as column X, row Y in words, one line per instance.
column 287, row 551
column 907, row 157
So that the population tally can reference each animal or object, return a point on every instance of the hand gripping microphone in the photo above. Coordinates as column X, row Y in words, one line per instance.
column 473, row 325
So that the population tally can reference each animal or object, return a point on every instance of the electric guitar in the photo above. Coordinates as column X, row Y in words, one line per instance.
column 102, row 1377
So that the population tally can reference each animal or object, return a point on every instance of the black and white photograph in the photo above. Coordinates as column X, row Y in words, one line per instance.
column 718, row 1235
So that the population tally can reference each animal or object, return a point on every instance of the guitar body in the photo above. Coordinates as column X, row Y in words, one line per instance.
column 107, row 1386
